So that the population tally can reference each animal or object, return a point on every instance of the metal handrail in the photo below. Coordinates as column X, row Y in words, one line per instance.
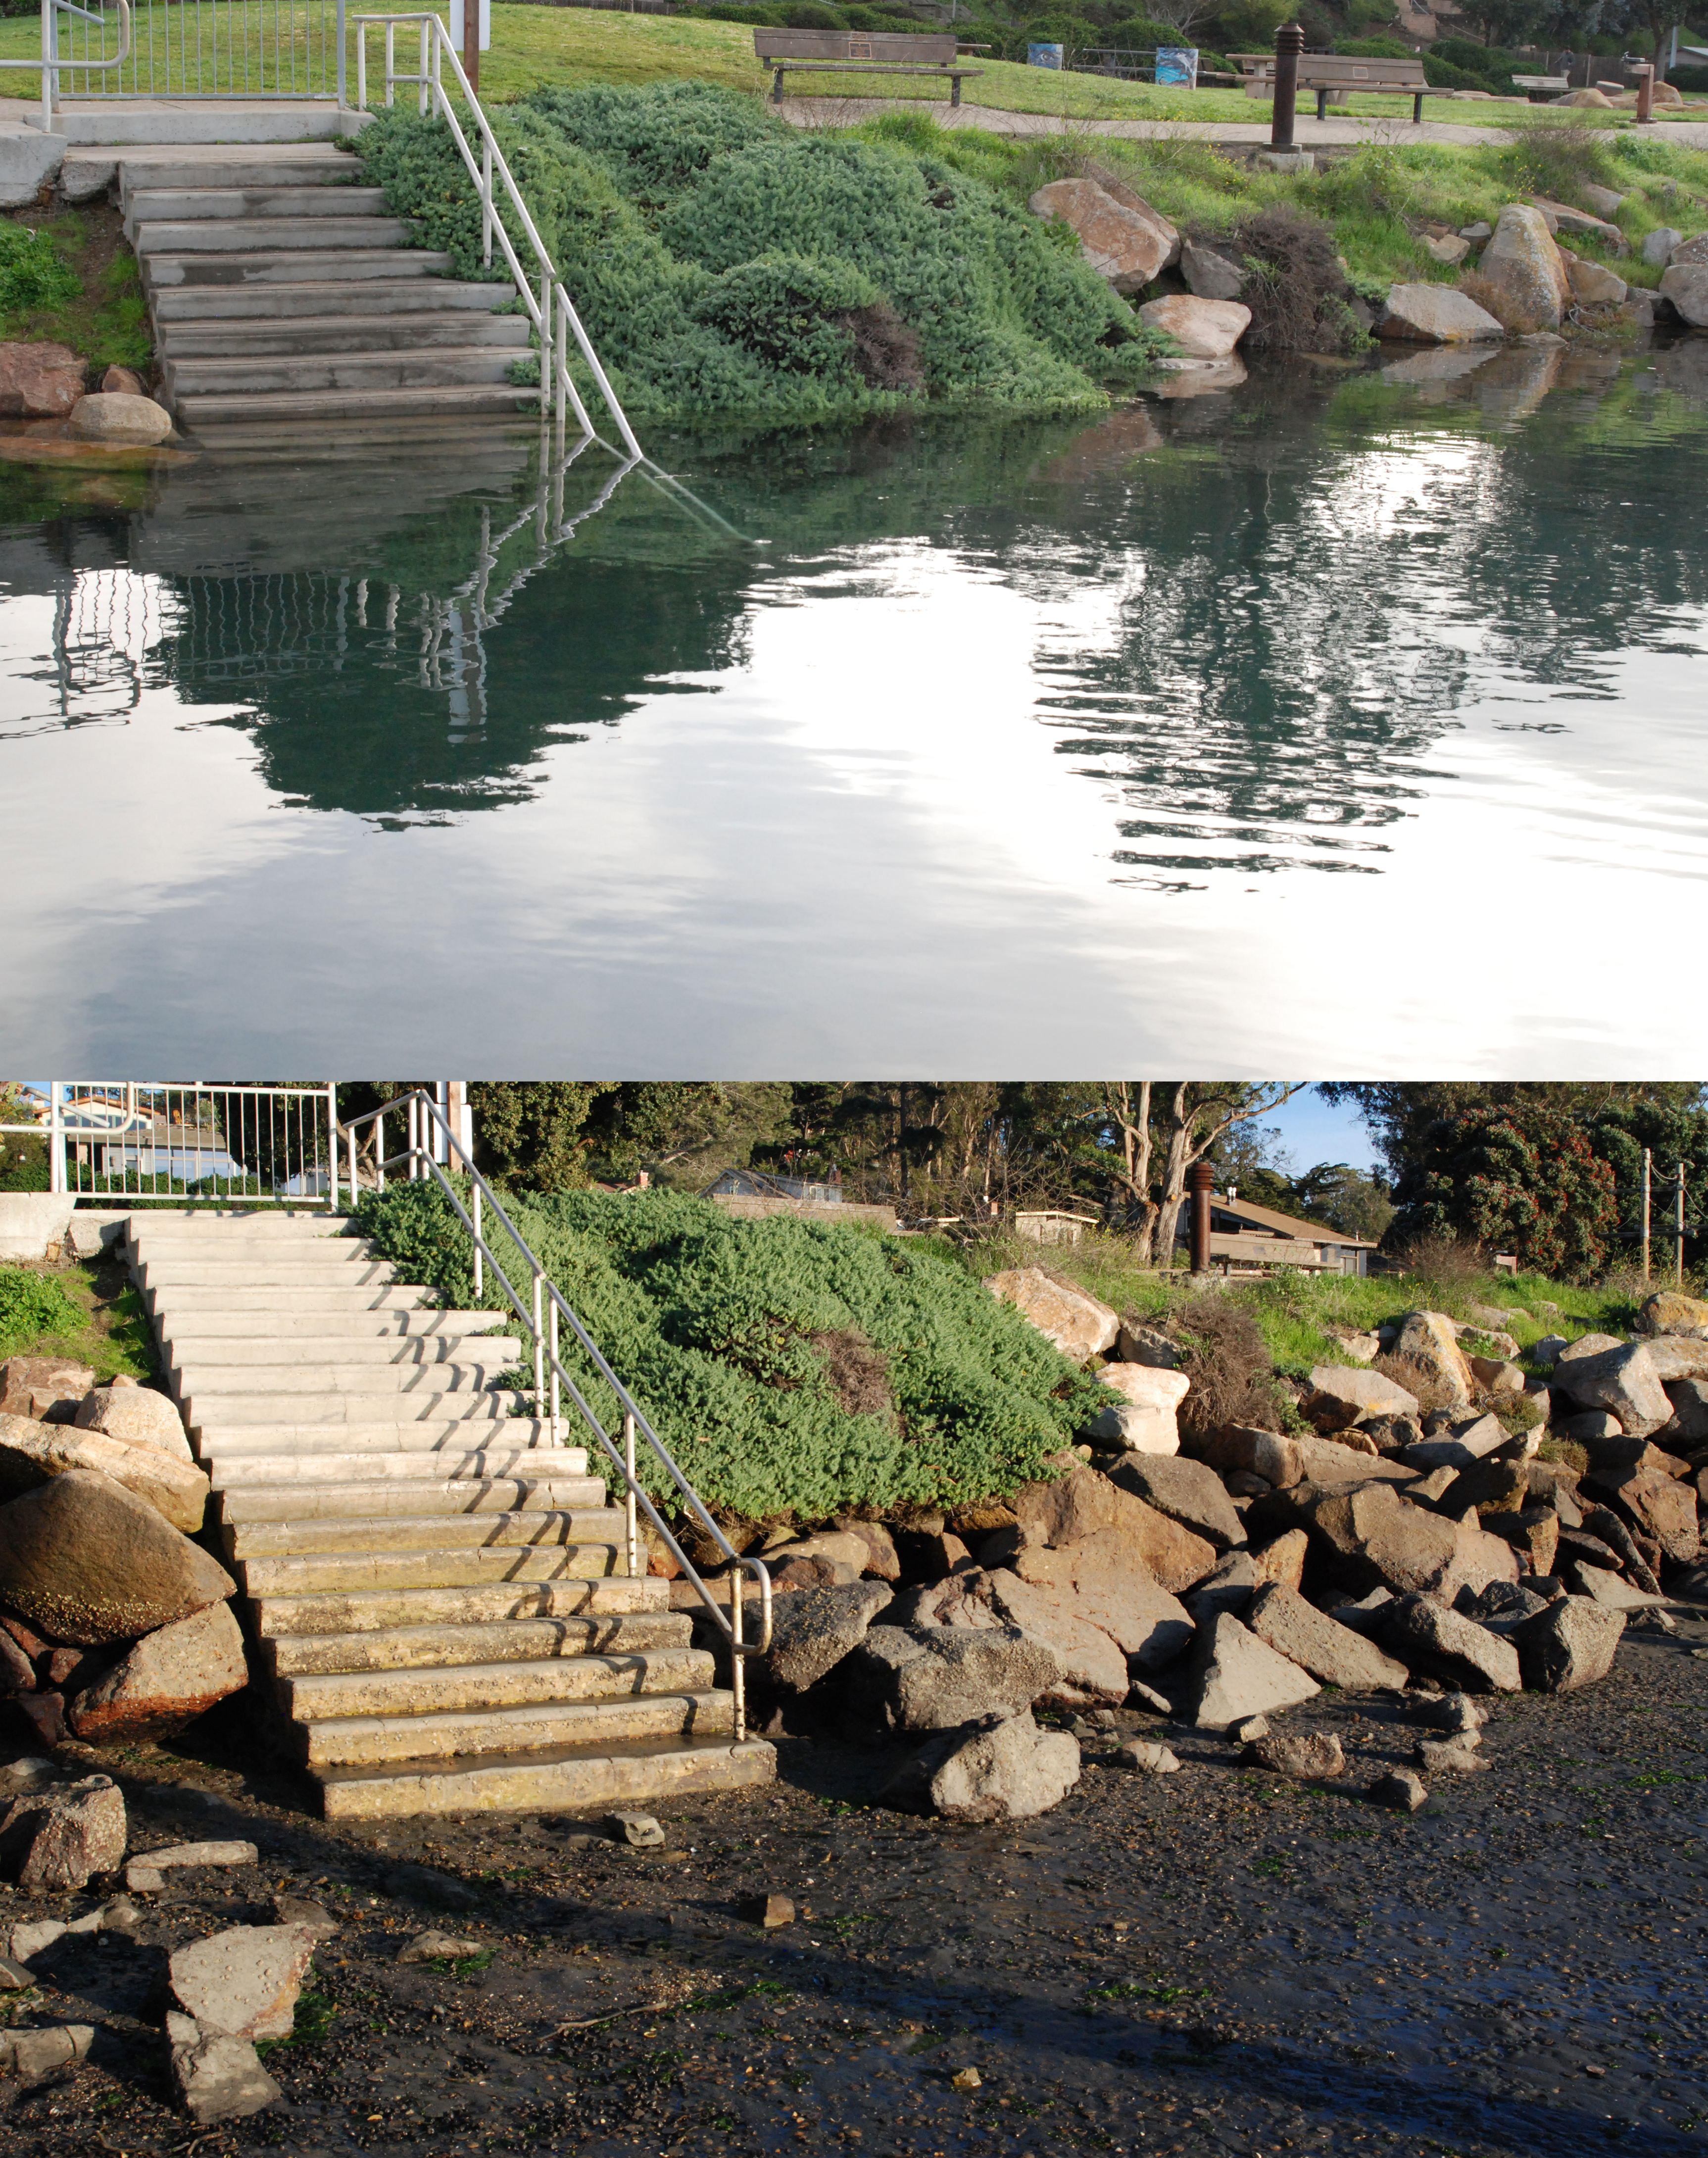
column 550, row 310
column 52, row 66
column 432, row 1147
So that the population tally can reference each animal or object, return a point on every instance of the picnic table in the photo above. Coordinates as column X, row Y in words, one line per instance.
column 860, row 52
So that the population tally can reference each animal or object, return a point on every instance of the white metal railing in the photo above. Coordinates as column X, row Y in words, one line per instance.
column 290, row 49
column 549, row 308
column 51, row 64
column 195, row 1144
column 434, row 1147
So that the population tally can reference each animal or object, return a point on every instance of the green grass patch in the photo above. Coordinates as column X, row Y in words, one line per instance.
column 75, row 1311
column 315, row 2016
column 68, row 277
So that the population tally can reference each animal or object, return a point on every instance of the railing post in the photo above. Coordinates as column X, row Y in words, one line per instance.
column 631, row 1529
column 331, row 1148
column 379, row 1151
column 361, row 66
column 560, row 300
column 538, row 1349
column 56, row 1137
column 343, row 59
column 427, row 70
column 486, row 202
column 556, row 1401
column 479, row 1281
column 353, row 1164
column 738, row 1662
column 548, row 309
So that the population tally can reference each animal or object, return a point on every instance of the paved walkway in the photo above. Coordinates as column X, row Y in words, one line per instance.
column 846, row 111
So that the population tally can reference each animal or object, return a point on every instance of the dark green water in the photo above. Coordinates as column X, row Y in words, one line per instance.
column 1350, row 718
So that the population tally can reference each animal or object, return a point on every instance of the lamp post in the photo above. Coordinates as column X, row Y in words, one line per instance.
column 1289, row 44
column 1202, row 1183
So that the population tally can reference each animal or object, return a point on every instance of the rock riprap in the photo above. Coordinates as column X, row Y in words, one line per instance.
column 90, row 1563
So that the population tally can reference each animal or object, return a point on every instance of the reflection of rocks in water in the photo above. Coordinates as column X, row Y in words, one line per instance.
column 1109, row 446
column 1516, row 380
column 1438, row 374
column 1683, row 368
column 1197, row 378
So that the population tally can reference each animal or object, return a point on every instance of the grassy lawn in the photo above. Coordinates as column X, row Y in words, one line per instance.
column 87, row 1310
column 106, row 319
column 535, row 45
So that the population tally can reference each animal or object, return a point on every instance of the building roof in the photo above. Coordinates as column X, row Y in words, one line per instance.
column 1288, row 1224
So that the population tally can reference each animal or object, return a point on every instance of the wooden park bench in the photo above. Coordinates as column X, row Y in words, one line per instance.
column 860, row 52
column 1331, row 75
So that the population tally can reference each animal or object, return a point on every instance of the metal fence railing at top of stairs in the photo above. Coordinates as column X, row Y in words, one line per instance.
column 433, row 1147
column 549, row 308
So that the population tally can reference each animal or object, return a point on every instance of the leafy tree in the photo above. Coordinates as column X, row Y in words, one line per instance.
column 1518, row 1176
column 684, row 1134
column 533, row 1132
column 1400, row 1112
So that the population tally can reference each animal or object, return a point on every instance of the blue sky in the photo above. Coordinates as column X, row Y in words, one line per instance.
column 1311, row 1132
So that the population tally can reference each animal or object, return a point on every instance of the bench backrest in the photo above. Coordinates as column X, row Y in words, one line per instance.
column 1339, row 71
column 853, row 45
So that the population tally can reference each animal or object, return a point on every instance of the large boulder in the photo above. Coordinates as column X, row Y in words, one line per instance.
column 1009, row 1771
column 1661, row 1506
column 111, row 416
column 1342, row 1395
column 1435, row 314
column 1078, row 1325
column 1379, row 1540
column 1685, row 284
column 1078, row 1505
column 1327, row 1461
column 1103, row 1580
column 1668, row 1311
column 32, row 1454
column 1188, row 1492
column 1091, row 1666
column 1688, row 1426
column 1431, row 1637
column 30, row 1385
column 1678, row 1356
column 1334, row 1654
column 1569, row 1644
column 1427, row 1342
column 1232, row 1676
column 1524, row 265
column 1204, row 329
column 57, row 1838
column 1145, row 1422
column 1238, row 1447
column 1623, row 1381
column 137, row 1413
column 40, row 381
column 88, row 1562
column 1125, row 246
column 169, row 1679
column 937, row 1678
column 1592, row 283
column 216, row 2078
column 1210, row 273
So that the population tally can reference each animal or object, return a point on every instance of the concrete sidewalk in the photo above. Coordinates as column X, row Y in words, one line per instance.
column 1308, row 131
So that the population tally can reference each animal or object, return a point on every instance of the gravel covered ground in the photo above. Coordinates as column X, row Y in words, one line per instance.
column 1210, row 1961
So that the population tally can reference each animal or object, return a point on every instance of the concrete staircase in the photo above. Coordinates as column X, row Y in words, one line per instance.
column 438, row 1589
column 281, row 288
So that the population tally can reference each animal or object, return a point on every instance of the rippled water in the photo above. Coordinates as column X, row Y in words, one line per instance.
column 1353, row 718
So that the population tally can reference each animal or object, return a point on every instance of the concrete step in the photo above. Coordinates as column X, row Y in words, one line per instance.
column 160, row 1255
column 306, row 167
column 222, row 1352
column 173, row 1304
column 352, row 1741
column 443, row 367
column 286, row 265
column 356, row 1612
column 272, row 236
column 270, row 201
column 360, row 1572
column 309, row 1269
column 383, row 296
column 299, row 1535
column 422, row 1438
column 312, row 1378
column 579, row 1779
column 318, row 404
column 226, row 122
column 313, row 1509
column 372, row 1405
column 460, row 1688
column 206, row 1222
column 256, row 338
column 269, row 1330
column 445, row 1648
column 487, row 1458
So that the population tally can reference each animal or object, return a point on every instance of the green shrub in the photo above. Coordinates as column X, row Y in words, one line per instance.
column 650, row 199
column 794, row 1368
column 32, row 1305
column 1374, row 48
column 33, row 272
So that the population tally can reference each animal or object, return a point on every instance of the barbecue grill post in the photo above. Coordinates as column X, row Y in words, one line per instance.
column 1289, row 44
column 1203, row 1182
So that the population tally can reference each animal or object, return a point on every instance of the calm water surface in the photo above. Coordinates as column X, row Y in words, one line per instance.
column 1349, row 719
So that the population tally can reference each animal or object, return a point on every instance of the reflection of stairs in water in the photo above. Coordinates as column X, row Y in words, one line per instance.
column 439, row 1588
column 280, row 288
